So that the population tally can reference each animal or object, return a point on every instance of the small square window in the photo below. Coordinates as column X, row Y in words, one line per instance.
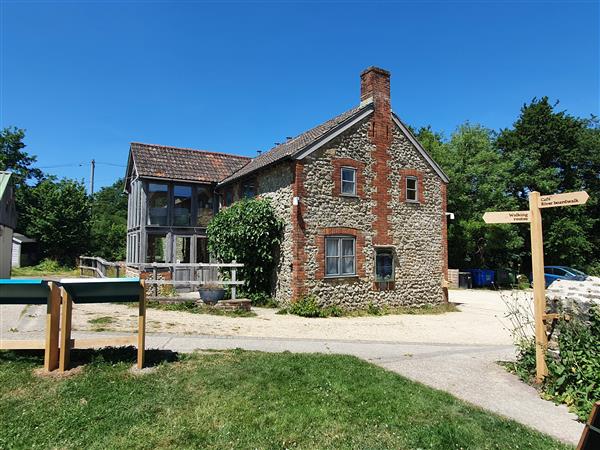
column 348, row 181
column 228, row 197
column 248, row 190
column 384, row 265
column 412, row 189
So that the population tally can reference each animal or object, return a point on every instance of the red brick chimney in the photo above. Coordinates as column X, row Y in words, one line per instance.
column 375, row 83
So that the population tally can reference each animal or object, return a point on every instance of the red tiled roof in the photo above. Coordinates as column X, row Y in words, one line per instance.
column 186, row 164
column 297, row 144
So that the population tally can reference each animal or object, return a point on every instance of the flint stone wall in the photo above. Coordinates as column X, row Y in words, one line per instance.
column 275, row 183
column 415, row 228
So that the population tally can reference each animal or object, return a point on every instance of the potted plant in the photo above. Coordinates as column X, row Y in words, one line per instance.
column 211, row 292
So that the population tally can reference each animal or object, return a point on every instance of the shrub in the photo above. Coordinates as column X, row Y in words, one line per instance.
column 574, row 371
column 307, row 306
column 262, row 299
column 374, row 310
column 574, row 374
column 249, row 232
column 594, row 269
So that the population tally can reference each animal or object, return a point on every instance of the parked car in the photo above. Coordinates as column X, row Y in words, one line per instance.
column 553, row 273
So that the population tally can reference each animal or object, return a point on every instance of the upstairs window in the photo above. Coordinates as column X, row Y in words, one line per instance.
column 227, row 197
column 248, row 189
column 182, row 211
column 204, row 198
column 412, row 194
column 348, row 181
column 340, row 256
column 158, row 202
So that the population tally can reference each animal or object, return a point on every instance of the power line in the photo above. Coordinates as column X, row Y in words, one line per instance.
column 110, row 164
column 61, row 165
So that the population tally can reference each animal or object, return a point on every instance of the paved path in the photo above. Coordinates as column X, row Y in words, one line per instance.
column 464, row 367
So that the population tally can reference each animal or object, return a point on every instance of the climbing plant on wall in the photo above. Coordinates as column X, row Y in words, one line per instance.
column 250, row 233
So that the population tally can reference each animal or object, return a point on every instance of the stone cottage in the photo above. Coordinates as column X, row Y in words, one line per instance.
column 364, row 205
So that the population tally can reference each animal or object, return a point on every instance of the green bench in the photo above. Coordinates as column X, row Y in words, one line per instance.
column 101, row 290
column 35, row 292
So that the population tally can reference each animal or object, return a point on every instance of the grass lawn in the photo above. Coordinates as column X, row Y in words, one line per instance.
column 239, row 399
column 45, row 268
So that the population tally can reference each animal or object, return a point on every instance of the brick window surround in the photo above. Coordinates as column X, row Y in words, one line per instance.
column 359, row 166
column 420, row 191
column 340, row 231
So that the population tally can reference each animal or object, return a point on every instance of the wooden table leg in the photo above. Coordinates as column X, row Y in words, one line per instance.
column 52, row 328
column 65, row 335
column 141, row 347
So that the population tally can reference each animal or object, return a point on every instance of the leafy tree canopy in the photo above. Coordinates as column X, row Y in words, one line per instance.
column 551, row 152
column 58, row 215
column 14, row 159
column 467, row 159
column 109, row 222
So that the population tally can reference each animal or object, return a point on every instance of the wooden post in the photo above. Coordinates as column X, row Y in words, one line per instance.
column 141, row 344
column 233, row 278
column 65, row 335
column 154, row 277
column 52, row 328
column 539, row 286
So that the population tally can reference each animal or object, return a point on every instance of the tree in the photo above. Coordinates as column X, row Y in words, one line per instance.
column 551, row 152
column 58, row 218
column 478, row 178
column 14, row 159
column 249, row 232
column 109, row 222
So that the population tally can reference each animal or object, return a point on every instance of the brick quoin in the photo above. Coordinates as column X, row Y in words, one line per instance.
column 420, row 190
column 298, row 233
column 338, row 163
column 340, row 231
column 375, row 83
column 444, row 232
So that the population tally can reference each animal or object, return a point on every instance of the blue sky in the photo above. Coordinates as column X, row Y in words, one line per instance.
column 86, row 78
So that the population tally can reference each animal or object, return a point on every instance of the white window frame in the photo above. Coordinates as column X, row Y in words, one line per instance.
column 339, row 256
column 354, row 182
column 416, row 189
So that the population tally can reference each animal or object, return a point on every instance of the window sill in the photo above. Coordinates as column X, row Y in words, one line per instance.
column 339, row 277
column 412, row 202
column 349, row 196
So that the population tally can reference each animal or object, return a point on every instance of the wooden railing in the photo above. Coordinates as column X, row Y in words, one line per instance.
column 200, row 273
column 99, row 268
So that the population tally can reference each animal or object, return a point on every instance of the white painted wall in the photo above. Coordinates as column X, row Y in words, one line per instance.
column 6, row 235
column 16, row 254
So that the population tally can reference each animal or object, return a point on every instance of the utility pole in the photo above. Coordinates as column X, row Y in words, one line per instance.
column 92, row 170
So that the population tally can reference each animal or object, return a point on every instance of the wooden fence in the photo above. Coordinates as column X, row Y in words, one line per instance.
column 195, row 274
column 96, row 267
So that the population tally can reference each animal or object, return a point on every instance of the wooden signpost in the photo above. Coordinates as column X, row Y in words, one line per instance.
column 534, row 217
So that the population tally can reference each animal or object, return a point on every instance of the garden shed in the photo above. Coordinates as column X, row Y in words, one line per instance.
column 24, row 250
